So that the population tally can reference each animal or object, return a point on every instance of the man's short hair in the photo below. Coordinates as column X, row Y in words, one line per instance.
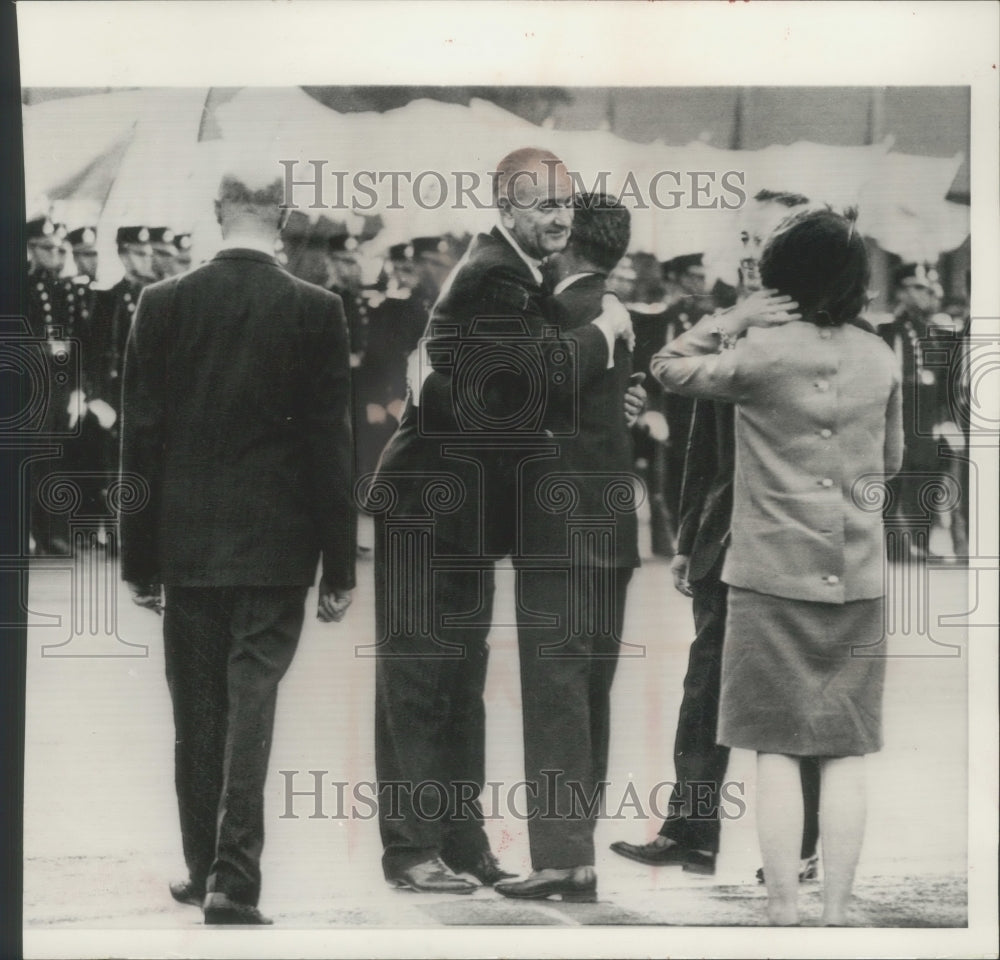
column 601, row 229
column 784, row 197
column 523, row 159
column 236, row 190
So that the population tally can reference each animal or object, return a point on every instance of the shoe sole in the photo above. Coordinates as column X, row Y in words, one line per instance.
column 635, row 858
column 403, row 885
column 571, row 896
column 223, row 918
column 699, row 869
column 189, row 901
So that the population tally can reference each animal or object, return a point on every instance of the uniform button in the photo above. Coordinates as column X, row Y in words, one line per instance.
column 822, row 385
column 826, row 482
column 825, row 334
column 833, row 579
column 826, row 433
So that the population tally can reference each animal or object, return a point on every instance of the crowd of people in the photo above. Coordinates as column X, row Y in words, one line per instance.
column 492, row 390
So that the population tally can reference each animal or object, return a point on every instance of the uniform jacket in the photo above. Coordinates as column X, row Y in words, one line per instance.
column 586, row 493
column 237, row 416
column 105, row 336
column 818, row 428
column 455, row 459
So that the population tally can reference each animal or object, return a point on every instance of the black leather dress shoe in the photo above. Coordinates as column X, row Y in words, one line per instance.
column 486, row 869
column 576, row 885
column 431, row 876
column 187, row 891
column 699, row 861
column 219, row 909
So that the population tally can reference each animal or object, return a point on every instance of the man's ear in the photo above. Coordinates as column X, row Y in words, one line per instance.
column 506, row 213
column 218, row 212
column 286, row 212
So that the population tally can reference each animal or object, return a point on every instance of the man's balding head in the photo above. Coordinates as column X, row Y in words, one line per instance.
column 249, row 199
column 533, row 192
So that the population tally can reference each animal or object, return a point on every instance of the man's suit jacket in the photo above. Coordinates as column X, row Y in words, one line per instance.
column 237, row 416
column 589, row 486
column 455, row 458
column 706, row 506
column 818, row 423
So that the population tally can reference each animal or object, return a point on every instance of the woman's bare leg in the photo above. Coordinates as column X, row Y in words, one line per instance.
column 779, row 830
column 842, row 808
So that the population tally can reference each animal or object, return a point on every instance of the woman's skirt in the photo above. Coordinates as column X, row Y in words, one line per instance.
column 802, row 678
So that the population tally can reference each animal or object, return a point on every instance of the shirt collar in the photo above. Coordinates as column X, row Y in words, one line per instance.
column 533, row 264
column 571, row 279
column 243, row 241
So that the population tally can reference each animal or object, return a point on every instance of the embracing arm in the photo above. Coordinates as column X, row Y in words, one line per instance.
column 693, row 364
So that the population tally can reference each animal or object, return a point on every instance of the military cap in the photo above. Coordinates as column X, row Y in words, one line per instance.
column 343, row 243
column 161, row 235
column 918, row 273
column 43, row 228
column 433, row 245
column 127, row 235
column 401, row 251
column 684, row 262
column 182, row 241
column 82, row 239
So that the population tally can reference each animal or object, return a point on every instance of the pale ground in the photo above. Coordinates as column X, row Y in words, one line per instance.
column 101, row 836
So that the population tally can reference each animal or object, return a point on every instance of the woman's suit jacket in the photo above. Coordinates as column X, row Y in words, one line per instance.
column 818, row 430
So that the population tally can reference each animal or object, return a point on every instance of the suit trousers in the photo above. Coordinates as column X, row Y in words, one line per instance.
column 569, row 634
column 695, row 808
column 432, row 619
column 226, row 649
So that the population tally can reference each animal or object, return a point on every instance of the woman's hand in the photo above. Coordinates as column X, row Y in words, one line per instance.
column 763, row 308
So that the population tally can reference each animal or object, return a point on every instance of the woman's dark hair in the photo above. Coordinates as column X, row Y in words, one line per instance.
column 818, row 258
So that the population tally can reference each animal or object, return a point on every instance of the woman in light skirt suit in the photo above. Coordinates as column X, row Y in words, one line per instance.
column 818, row 423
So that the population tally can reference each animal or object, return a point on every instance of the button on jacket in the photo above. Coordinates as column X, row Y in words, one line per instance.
column 818, row 426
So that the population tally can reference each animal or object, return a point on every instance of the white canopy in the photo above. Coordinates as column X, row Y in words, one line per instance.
column 135, row 157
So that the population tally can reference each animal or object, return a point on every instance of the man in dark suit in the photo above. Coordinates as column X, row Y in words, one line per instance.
column 689, row 836
column 579, row 547
column 237, row 425
column 446, row 500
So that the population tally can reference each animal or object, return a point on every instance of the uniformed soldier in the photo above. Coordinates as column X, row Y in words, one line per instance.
column 81, row 290
column 395, row 325
column 161, row 239
column 925, row 400
column 344, row 279
column 182, row 253
column 49, row 321
column 85, row 449
column 107, row 334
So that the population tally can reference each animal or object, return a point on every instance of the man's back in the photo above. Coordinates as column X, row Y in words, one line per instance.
column 238, row 419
